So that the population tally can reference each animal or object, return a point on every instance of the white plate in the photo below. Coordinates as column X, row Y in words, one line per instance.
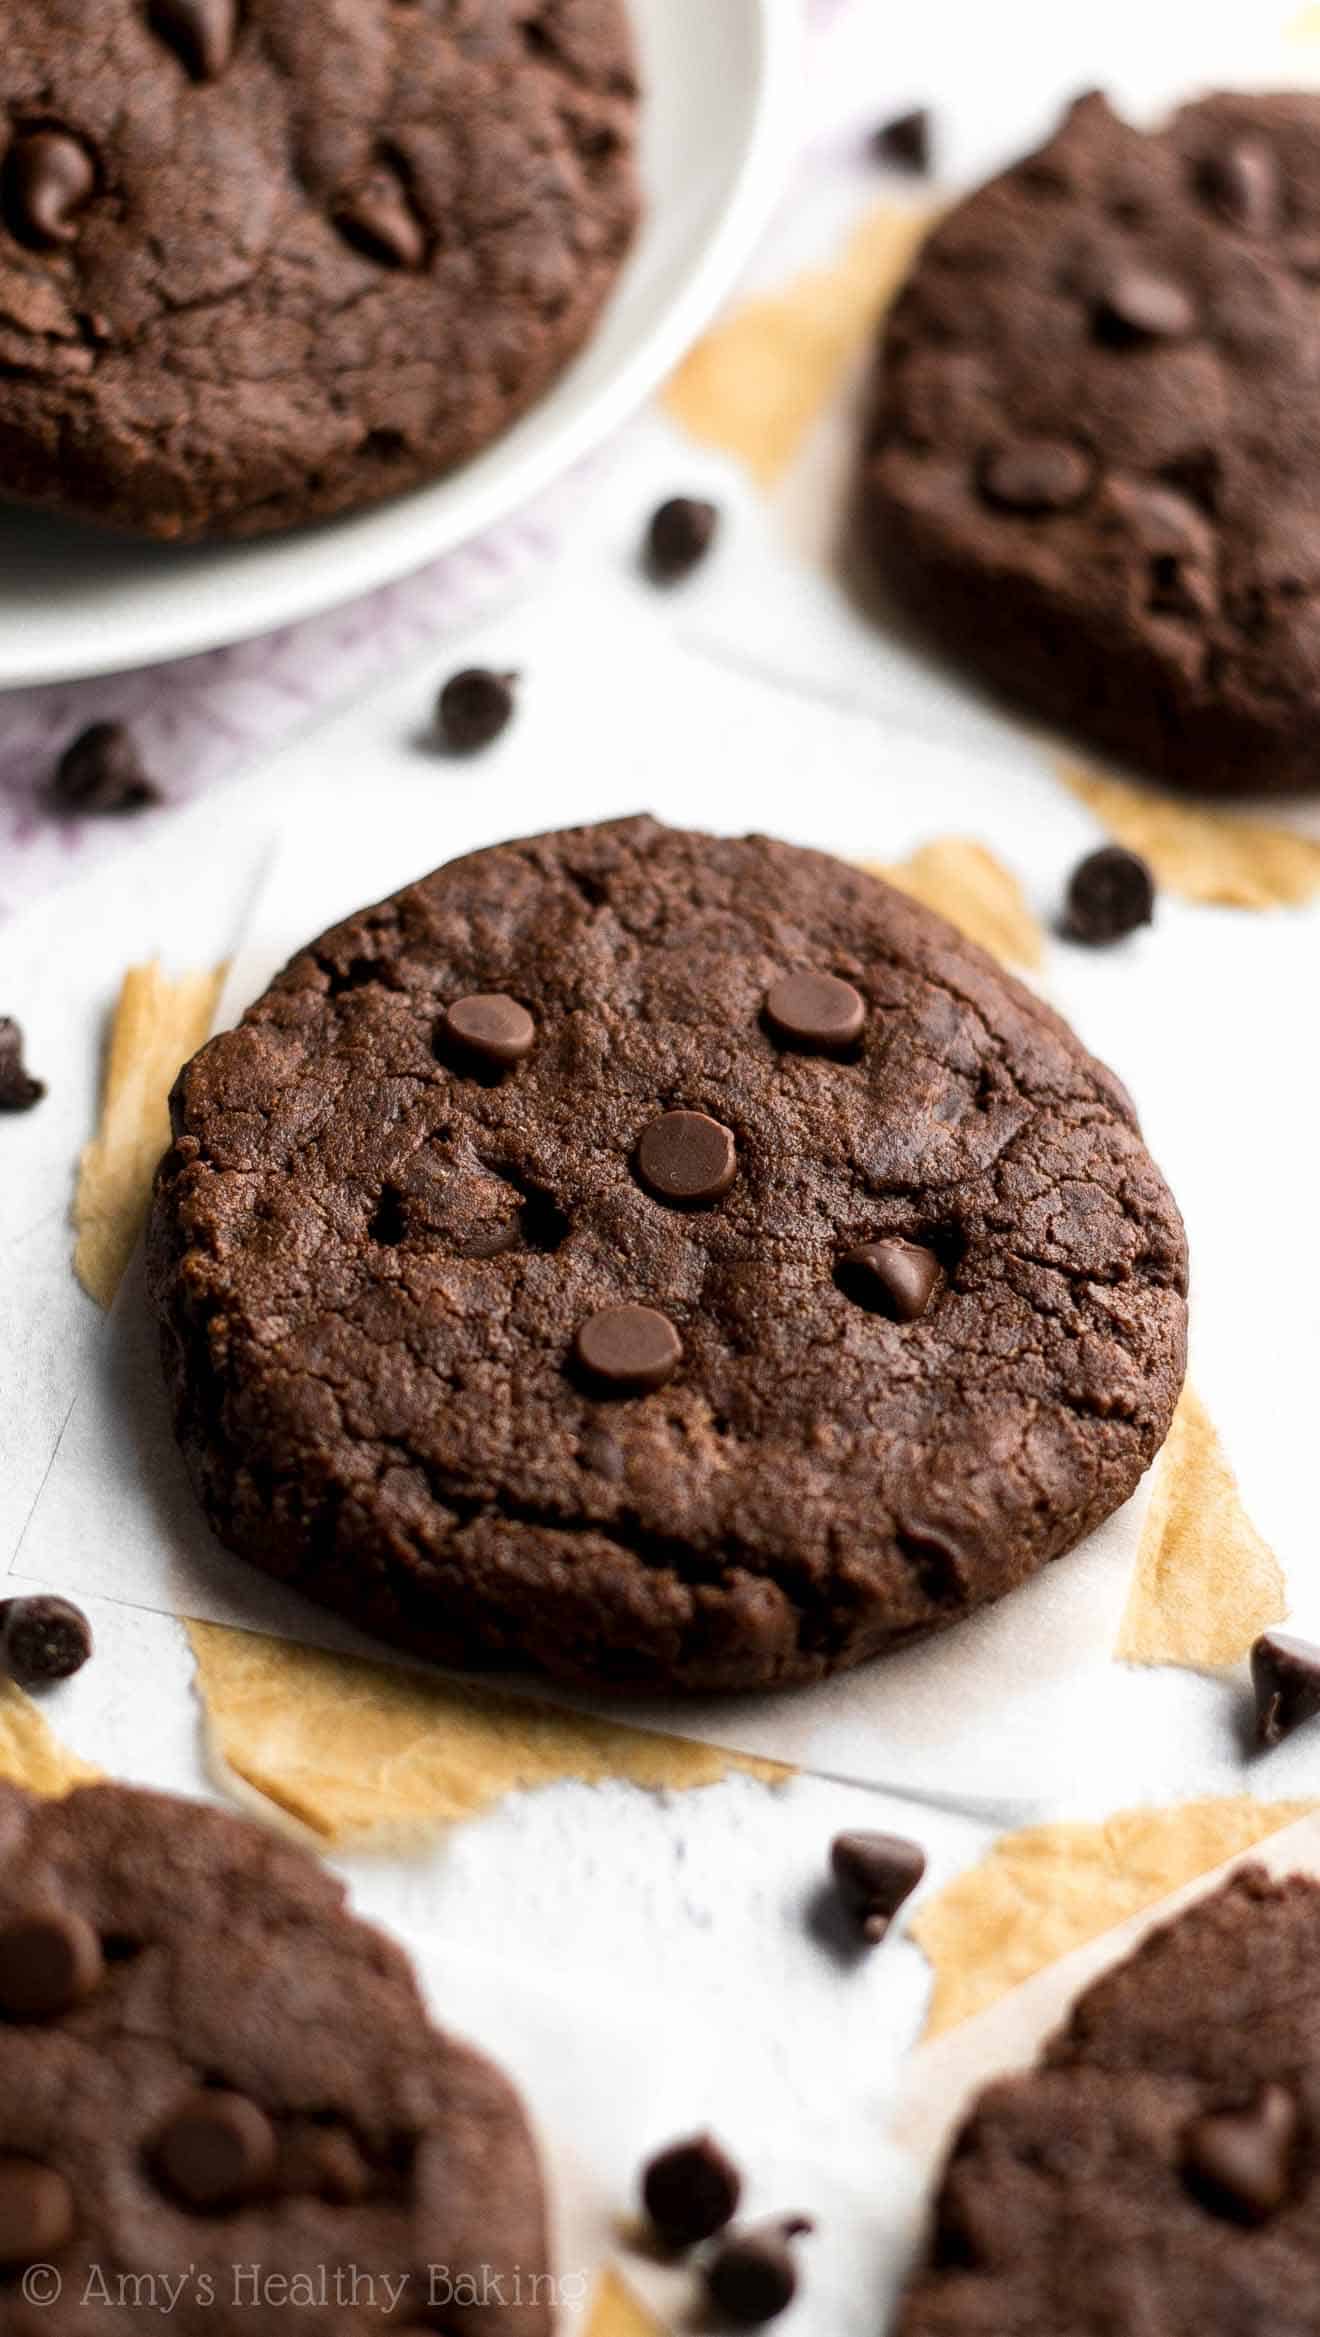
column 719, row 78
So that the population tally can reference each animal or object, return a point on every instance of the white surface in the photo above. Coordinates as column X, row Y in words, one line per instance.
column 717, row 128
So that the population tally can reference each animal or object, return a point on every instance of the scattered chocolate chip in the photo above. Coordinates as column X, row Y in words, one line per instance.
column 19, row 1091
column 631, row 1349
column 102, row 771
column 892, row 1277
column 1136, row 306
column 1240, row 2160
column 875, row 1874
column 690, row 2191
column 489, row 1029
column 906, row 142
column 1285, row 1675
column 815, row 1012
column 1110, row 894
column 687, row 1156
column 217, row 2150
column 1034, row 475
column 202, row 32
column 376, row 215
column 1243, row 184
column 473, row 708
column 678, row 537
column 48, row 1963
column 752, row 2276
column 43, row 1639
column 36, row 2212
column 48, row 179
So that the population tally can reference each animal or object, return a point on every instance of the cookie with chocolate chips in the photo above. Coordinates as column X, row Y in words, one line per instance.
column 667, row 1261
column 261, row 263
column 1155, row 2175
column 210, row 2064
column 1090, row 468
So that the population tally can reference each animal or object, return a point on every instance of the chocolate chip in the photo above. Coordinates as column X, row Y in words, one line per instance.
column 43, row 1639
column 473, row 708
column 202, row 32
column 1136, row 306
column 1285, row 1675
column 752, row 2277
column 19, row 1091
column 891, row 1277
column 1110, row 894
column 690, row 2191
column 1240, row 2160
column 1034, row 475
column 815, row 1012
column 376, row 215
column 875, row 1874
column 321, row 2163
column 49, row 177
column 36, row 2212
column 489, row 1029
column 1243, row 184
column 679, row 536
column 906, row 141
column 48, row 1963
column 631, row 1349
column 217, row 2150
column 102, row 771
column 687, row 1156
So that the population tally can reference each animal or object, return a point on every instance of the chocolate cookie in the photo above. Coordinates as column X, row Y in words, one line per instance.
column 214, row 2078
column 1090, row 466
column 668, row 1261
column 1156, row 2175
column 260, row 264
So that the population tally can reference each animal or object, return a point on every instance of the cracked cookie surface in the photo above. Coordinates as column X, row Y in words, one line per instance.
column 1091, row 466
column 263, row 263
column 782, row 1282
column 213, row 2070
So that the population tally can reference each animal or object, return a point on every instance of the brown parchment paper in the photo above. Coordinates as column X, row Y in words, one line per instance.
column 158, row 1024
column 30, row 1752
column 359, row 1752
column 616, row 2312
column 1043, row 1892
column 1206, row 1583
column 964, row 882
column 1217, row 858
column 756, row 383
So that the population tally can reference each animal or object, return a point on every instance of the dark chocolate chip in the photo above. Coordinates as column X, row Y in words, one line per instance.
column 1034, row 475
column 1240, row 2161
column 895, row 1278
column 752, row 2276
column 217, row 2150
column 875, row 1874
column 19, row 1091
column 48, row 1964
column 490, row 1029
column 815, row 1012
column 631, row 1349
column 43, row 1639
column 1110, row 894
column 1137, row 306
column 690, row 2191
column 36, row 2212
column 376, row 215
column 1243, row 184
column 1285, row 1675
column 473, row 708
column 687, row 1156
column 678, row 537
column 49, row 178
column 906, row 142
column 102, row 771
column 201, row 32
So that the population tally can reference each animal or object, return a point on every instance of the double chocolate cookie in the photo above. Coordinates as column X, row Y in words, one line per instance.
column 261, row 262
column 1091, row 466
column 668, row 1261
column 223, row 2102
column 1156, row 2176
